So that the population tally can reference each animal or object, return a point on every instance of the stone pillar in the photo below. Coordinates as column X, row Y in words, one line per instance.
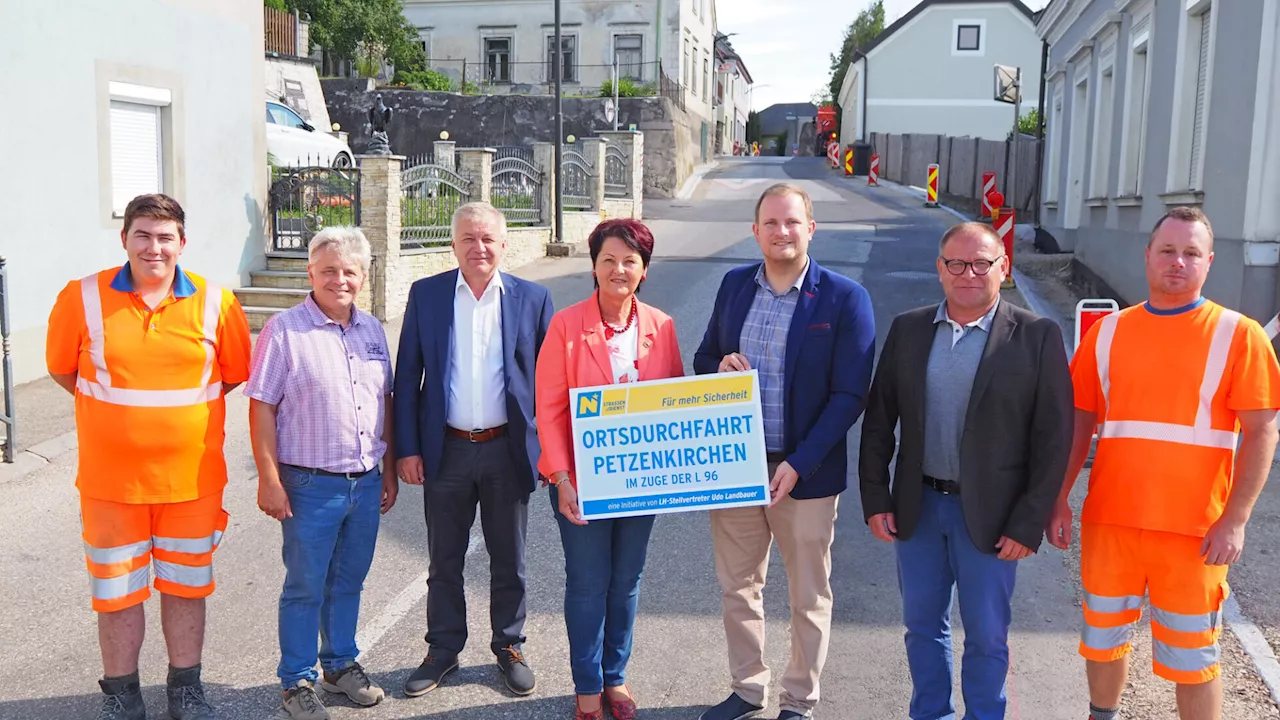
column 380, row 222
column 544, row 158
column 476, row 165
column 632, row 144
column 593, row 151
column 444, row 154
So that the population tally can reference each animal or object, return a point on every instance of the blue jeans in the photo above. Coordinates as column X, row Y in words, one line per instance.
column 603, row 561
column 328, row 547
column 939, row 556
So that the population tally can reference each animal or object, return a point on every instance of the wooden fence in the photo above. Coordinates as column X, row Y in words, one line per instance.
column 281, row 31
column 962, row 160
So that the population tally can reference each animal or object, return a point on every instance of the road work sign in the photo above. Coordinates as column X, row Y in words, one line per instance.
column 666, row 446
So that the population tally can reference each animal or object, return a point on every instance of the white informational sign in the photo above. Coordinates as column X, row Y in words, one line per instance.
column 664, row 446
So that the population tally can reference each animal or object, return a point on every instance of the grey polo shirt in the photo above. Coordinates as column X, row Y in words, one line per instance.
column 953, row 362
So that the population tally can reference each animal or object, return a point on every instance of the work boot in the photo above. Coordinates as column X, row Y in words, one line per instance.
column 186, row 695
column 352, row 682
column 123, row 699
column 302, row 703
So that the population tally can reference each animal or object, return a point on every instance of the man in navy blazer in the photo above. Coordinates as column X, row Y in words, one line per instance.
column 810, row 335
column 465, row 430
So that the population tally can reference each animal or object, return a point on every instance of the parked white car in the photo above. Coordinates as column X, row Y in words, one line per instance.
column 292, row 141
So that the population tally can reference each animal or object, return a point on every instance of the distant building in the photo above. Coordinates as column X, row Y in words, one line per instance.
column 733, row 97
column 932, row 71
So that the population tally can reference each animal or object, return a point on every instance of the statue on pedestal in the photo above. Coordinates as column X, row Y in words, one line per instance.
column 379, row 116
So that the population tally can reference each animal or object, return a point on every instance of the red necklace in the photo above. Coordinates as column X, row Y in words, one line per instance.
column 610, row 331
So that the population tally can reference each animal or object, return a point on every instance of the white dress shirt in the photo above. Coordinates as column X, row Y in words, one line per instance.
column 477, row 388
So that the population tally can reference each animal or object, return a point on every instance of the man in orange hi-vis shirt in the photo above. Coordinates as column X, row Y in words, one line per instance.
column 1183, row 394
column 148, row 350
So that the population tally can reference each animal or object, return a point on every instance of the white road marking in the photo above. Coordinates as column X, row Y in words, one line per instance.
column 394, row 612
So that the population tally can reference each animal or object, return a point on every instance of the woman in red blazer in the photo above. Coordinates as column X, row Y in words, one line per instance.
column 608, row 338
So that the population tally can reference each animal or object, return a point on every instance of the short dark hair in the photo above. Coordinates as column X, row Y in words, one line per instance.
column 1185, row 213
column 633, row 233
column 979, row 227
column 157, row 206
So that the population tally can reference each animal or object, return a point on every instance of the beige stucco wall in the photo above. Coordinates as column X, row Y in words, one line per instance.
column 210, row 57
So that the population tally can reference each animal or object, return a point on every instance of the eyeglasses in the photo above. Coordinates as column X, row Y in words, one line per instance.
column 980, row 267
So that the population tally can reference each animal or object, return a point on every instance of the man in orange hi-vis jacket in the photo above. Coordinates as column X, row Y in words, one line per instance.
column 1183, row 394
column 148, row 350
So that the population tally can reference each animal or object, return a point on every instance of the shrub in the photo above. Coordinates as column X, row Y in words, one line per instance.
column 423, row 80
column 627, row 87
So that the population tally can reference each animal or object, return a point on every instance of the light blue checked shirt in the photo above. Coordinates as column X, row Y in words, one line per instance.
column 764, row 343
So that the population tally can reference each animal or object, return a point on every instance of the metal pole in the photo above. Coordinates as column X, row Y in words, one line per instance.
column 617, row 114
column 559, row 131
column 11, row 432
column 1013, row 161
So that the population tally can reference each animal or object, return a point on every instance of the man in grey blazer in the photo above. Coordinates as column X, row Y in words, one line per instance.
column 983, row 394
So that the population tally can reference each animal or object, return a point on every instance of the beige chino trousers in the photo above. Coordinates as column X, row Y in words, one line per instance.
column 742, row 538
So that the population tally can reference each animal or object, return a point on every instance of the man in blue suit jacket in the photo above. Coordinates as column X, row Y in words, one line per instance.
column 465, row 429
column 810, row 335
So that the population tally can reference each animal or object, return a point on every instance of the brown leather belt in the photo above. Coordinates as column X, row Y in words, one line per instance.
column 478, row 436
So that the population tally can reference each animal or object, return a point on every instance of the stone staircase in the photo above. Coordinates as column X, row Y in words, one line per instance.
column 281, row 286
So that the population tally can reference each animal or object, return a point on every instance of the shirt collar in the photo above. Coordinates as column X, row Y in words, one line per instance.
column 799, row 283
column 495, row 284
column 182, row 285
column 983, row 323
column 319, row 318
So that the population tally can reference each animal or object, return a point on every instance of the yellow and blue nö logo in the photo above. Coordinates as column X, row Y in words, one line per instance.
column 589, row 404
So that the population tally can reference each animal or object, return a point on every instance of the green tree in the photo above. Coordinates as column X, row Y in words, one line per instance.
column 280, row 5
column 753, row 126
column 858, row 35
column 364, row 31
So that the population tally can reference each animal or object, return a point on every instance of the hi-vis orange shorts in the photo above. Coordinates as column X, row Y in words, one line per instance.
column 122, row 541
column 1119, row 566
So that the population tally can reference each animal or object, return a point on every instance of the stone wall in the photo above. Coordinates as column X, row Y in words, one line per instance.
column 670, row 149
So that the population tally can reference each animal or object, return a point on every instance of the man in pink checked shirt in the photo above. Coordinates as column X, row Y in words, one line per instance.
column 321, row 420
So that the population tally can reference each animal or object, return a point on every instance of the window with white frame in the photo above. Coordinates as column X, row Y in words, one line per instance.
column 693, row 72
column 1192, row 93
column 568, row 58
column 1104, row 113
column 706, row 73
column 684, row 67
column 968, row 37
column 497, row 59
column 1135, row 113
column 424, row 41
column 137, row 141
column 628, row 50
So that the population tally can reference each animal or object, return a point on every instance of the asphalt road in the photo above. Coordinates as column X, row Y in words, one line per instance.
column 882, row 238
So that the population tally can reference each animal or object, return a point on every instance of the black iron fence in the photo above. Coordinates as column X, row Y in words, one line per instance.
column 305, row 200
column 10, row 423
column 576, row 172
column 429, row 195
column 517, row 187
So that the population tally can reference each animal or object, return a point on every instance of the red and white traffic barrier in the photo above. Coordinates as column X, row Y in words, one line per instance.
column 1004, row 225
column 988, row 187
column 873, row 175
column 1090, row 311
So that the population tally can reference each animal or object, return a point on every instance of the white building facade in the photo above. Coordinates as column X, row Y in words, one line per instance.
column 932, row 71
column 140, row 109
column 1153, row 104
column 508, row 46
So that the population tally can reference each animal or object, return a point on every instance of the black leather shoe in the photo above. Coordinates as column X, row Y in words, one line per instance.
column 733, row 708
column 792, row 715
column 516, row 671
column 429, row 674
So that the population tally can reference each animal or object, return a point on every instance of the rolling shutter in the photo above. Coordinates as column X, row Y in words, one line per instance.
column 1202, row 81
column 135, row 152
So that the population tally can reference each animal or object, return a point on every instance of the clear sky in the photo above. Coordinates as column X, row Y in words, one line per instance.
column 787, row 47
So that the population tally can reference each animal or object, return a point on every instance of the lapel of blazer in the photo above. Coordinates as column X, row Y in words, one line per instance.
column 510, row 303
column 1002, row 326
column 648, row 329
column 916, row 364
column 731, row 341
column 593, row 336
column 443, row 313
column 799, row 321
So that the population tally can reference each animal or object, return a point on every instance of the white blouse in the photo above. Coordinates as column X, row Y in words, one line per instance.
column 624, row 352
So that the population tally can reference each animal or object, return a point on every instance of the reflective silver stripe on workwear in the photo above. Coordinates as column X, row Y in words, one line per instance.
column 92, row 301
column 1187, row 623
column 191, row 546
column 118, row 554
column 1108, row 638
column 1109, row 604
column 118, row 587
column 1184, row 659
column 194, row 577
